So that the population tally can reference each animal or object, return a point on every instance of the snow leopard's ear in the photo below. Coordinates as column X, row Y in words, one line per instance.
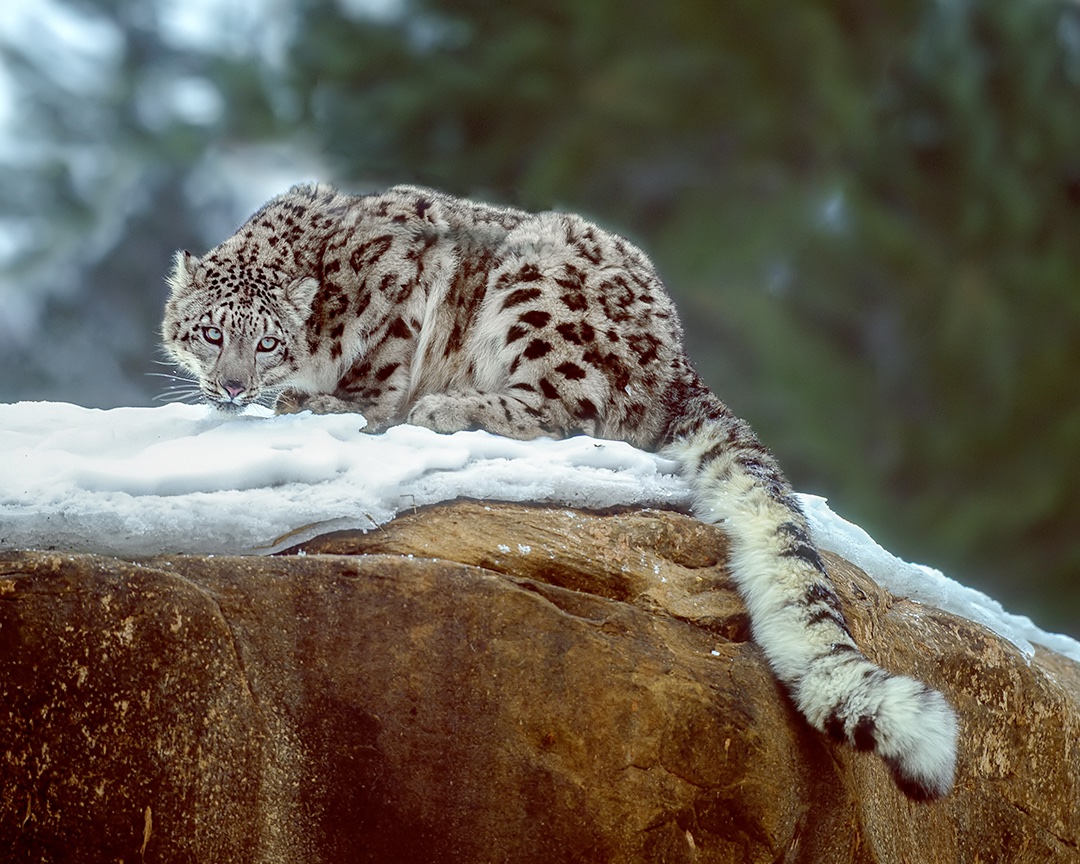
column 184, row 264
column 300, row 294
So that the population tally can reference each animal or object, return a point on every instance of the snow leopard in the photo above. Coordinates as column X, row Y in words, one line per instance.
column 416, row 306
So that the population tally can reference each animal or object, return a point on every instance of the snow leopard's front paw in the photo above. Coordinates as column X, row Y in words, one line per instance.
column 293, row 402
column 440, row 413
column 497, row 413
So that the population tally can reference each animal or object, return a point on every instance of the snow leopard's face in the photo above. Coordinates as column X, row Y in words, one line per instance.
column 238, row 330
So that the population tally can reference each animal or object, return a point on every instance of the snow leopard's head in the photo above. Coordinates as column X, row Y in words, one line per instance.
column 238, row 330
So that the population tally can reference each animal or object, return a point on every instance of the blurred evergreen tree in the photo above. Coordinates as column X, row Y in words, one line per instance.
column 109, row 136
column 971, row 204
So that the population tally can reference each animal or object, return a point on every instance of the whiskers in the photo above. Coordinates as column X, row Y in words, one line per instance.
column 268, row 398
column 181, row 389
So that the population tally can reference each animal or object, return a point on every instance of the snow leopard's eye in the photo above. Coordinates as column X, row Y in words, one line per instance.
column 212, row 335
column 268, row 343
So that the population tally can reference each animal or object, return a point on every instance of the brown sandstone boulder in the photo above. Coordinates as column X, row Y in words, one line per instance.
column 487, row 684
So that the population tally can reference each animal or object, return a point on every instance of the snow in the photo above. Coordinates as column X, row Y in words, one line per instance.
column 926, row 584
column 183, row 478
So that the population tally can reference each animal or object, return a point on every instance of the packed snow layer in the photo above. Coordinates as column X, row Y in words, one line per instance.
column 183, row 478
column 926, row 584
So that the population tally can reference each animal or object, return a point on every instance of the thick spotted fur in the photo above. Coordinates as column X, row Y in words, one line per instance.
column 412, row 306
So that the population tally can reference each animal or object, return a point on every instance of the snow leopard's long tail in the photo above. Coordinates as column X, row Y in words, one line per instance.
column 794, row 611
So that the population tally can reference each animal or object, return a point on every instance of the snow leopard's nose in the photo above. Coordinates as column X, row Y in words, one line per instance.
column 233, row 388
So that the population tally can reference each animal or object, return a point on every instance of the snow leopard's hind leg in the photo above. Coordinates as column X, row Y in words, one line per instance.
column 794, row 611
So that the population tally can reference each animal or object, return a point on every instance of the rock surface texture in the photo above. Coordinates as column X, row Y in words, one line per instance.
column 491, row 683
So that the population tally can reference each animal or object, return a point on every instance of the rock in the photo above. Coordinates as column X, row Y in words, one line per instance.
column 492, row 683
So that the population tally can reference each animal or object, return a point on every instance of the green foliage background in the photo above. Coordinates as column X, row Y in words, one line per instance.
column 867, row 211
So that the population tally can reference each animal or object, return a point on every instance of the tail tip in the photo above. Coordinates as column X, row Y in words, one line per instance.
column 912, row 728
column 921, row 751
